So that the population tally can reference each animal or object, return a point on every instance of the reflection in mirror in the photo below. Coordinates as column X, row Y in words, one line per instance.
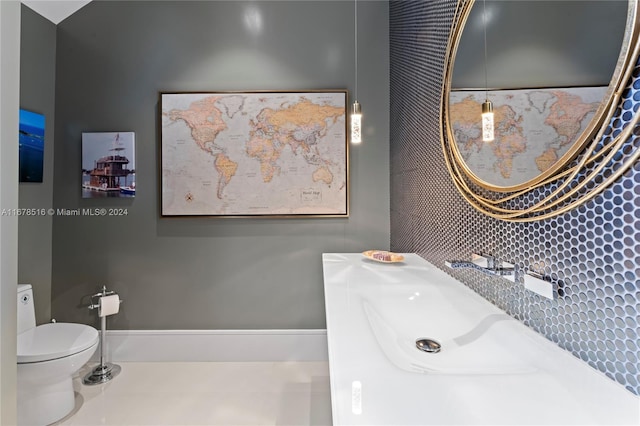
column 549, row 65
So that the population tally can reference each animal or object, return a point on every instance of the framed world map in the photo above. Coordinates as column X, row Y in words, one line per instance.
column 254, row 154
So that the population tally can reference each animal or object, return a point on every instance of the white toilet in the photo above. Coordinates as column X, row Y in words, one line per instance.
column 48, row 356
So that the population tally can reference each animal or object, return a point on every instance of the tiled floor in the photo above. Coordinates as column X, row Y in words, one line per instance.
column 207, row 393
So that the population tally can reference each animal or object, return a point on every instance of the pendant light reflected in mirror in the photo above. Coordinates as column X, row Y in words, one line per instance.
column 487, row 121
column 487, row 106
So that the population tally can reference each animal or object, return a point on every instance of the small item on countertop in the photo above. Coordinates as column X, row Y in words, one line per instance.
column 383, row 256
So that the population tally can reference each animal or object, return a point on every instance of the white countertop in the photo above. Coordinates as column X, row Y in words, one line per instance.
column 366, row 304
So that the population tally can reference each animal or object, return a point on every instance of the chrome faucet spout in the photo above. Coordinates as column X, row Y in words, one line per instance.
column 503, row 271
column 463, row 264
column 489, row 270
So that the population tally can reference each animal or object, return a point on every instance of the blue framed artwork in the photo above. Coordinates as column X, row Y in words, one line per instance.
column 31, row 139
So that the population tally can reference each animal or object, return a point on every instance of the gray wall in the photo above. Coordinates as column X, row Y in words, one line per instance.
column 538, row 43
column 202, row 273
column 593, row 251
column 37, row 94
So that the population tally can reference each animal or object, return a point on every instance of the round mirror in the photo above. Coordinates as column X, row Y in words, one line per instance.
column 554, row 72
column 546, row 66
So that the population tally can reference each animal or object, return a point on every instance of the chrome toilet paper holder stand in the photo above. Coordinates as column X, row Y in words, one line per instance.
column 106, row 370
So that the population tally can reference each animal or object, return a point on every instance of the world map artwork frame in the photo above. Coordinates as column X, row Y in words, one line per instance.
column 254, row 154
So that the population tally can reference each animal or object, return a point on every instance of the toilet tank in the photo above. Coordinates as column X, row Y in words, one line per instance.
column 26, row 310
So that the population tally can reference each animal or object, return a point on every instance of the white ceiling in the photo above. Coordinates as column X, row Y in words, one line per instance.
column 55, row 10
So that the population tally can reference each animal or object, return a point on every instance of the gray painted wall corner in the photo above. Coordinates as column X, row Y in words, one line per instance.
column 37, row 94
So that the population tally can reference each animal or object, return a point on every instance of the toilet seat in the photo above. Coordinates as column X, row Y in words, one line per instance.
column 55, row 340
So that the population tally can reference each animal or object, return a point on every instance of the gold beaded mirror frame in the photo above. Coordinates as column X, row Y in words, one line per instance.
column 600, row 156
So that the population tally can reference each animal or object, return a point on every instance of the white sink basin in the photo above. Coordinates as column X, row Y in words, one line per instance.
column 491, row 369
column 467, row 346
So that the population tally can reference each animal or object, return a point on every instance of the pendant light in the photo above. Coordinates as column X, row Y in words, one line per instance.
column 356, row 111
column 356, row 123
column 487, row 106
column 487, row 121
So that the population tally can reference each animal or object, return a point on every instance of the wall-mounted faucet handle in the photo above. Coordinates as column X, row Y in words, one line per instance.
column 540, row 284
column 533, row 273
column 483, row 260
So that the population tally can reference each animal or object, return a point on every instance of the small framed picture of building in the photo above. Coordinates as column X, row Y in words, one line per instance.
column 108, row 164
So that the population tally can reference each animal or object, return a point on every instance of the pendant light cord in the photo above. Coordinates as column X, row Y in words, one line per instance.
column 356, row 42
column 484, row 16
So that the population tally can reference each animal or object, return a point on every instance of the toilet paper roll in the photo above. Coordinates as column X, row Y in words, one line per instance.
column 109, row 305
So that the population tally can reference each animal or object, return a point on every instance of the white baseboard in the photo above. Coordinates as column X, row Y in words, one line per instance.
column 214, row 345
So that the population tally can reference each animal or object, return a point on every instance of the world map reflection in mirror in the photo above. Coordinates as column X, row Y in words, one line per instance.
column 534, row 128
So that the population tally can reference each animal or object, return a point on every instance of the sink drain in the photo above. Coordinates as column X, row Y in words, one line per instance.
column 428, row 345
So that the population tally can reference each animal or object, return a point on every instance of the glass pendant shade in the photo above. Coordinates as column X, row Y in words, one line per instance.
column 356, row 123
column 487, row 121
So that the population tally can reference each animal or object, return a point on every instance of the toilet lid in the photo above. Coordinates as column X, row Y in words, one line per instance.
column 55, row 340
